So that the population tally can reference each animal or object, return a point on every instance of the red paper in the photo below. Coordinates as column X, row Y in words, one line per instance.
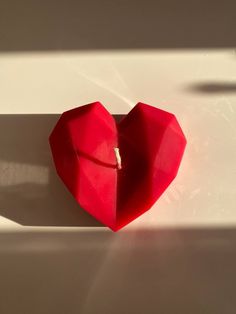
column 150, row 142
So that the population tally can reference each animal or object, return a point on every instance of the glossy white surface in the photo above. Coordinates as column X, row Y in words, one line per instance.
column 197, row 86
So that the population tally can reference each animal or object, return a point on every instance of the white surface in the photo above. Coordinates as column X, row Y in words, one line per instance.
column 179, row 256
column 204, row 192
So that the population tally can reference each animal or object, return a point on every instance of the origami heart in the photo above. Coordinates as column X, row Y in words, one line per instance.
column 89, row 148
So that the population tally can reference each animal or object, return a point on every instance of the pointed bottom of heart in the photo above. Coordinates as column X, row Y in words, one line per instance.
column 151, row 145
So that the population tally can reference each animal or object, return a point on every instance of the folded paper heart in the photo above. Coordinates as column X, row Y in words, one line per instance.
column 117, row 171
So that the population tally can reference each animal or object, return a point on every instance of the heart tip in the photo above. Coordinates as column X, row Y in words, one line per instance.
column 115, row 228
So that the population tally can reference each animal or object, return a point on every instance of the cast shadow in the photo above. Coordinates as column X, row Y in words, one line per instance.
column 213, row 88
column 134, row 24
column 31, row 193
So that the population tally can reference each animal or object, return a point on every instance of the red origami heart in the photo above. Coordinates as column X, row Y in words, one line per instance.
column 84, row 145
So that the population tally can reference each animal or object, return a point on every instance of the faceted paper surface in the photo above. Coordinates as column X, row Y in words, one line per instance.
column 151, row 144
